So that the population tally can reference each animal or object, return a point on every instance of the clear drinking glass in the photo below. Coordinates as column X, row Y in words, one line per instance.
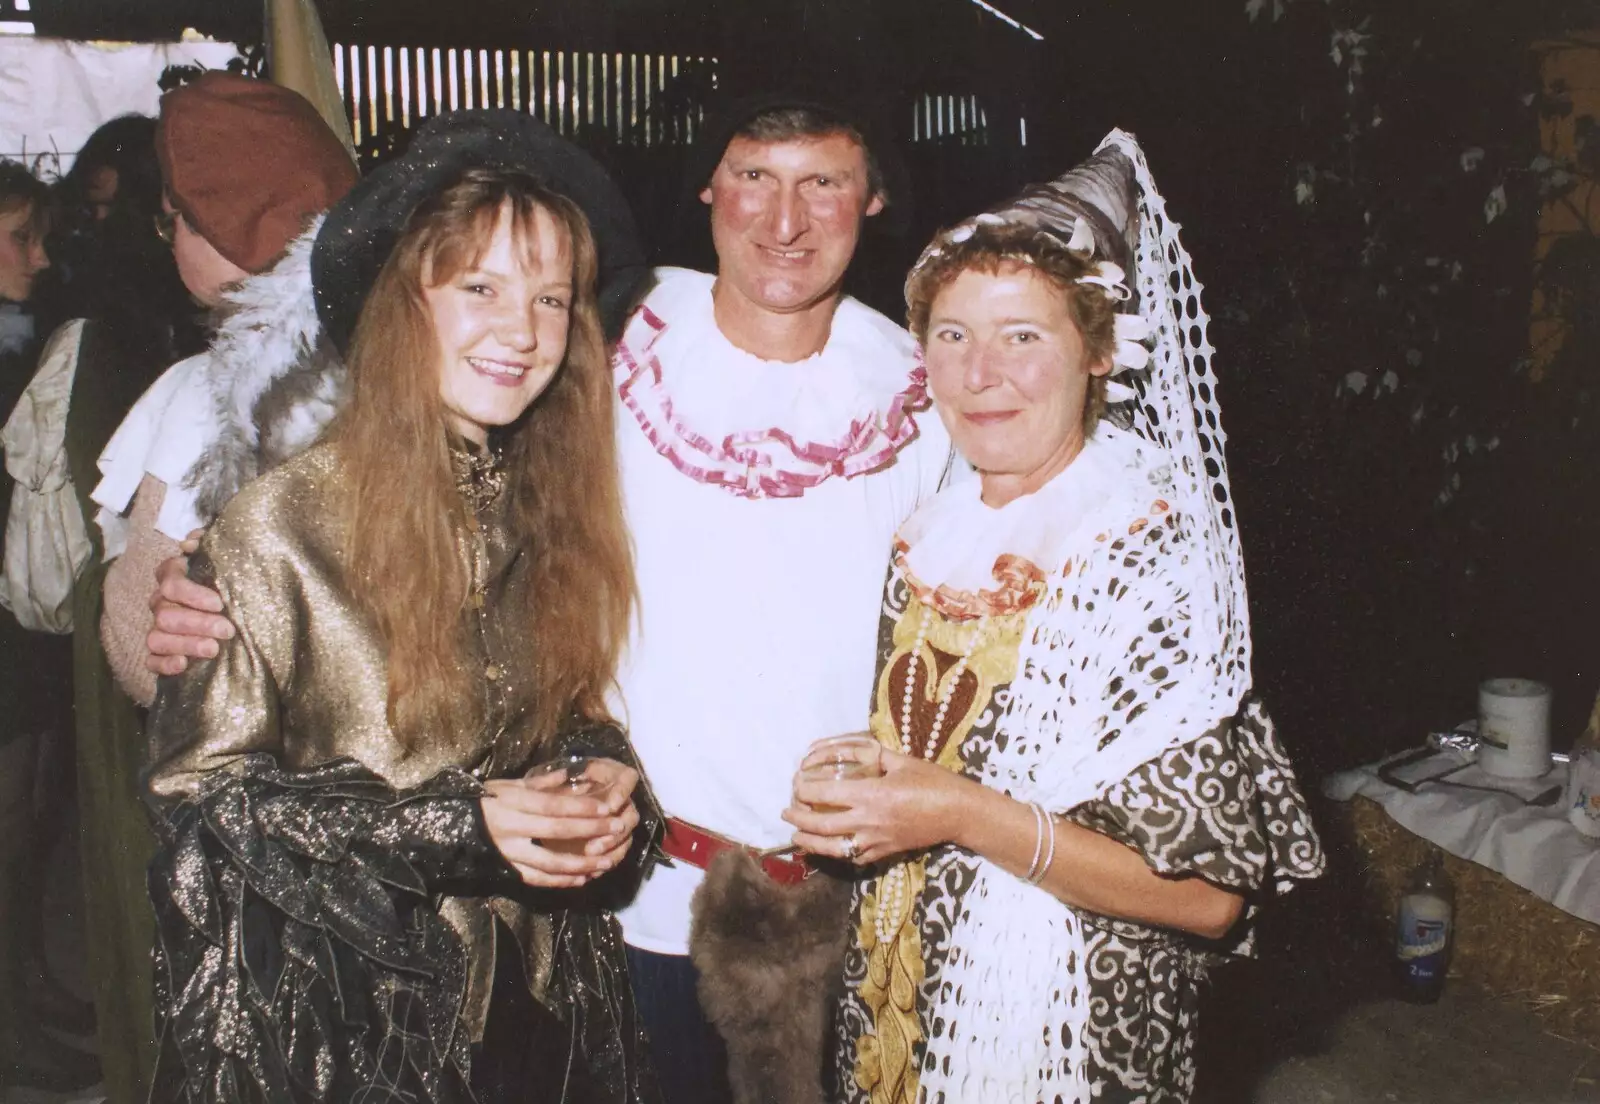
column 575, row 769
column 857, row 755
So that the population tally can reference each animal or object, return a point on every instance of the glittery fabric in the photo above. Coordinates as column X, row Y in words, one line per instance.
column 305, row 677
column 480, row 474
column 360, row 985
column 327, row 897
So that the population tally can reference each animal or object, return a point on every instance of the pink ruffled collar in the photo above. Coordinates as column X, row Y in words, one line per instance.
column 762, row 429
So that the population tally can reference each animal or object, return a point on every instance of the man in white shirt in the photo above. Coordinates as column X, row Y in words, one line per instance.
column 770, row 445
column 769, row 451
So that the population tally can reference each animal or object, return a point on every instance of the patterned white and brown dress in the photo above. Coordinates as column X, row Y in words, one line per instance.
column 1083, row 676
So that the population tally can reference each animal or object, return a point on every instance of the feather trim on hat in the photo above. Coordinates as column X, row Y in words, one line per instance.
column 1092, row 211
column 275, row 381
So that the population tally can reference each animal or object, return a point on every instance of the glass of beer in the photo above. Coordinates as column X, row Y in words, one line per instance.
column 857, row 755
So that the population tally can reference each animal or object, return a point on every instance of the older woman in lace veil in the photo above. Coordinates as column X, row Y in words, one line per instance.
column 1080, row 801
column 367, row 889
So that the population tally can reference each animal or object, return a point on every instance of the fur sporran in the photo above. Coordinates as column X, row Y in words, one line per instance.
column 771, row 963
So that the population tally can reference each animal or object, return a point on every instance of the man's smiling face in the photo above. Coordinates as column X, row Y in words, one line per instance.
column 786, row 216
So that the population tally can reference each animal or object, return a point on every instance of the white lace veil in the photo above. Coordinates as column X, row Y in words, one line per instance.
column 1176, row 405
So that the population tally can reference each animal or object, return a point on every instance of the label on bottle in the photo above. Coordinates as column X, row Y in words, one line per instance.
column 1424, row 936
column 1583, row 793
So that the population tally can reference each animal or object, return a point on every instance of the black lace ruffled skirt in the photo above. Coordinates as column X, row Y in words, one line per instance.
column 301, row 959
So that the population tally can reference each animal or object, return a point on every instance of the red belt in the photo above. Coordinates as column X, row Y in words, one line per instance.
column 697, row 847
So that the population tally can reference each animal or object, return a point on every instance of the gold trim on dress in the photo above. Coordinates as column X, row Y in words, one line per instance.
column 887, row 1059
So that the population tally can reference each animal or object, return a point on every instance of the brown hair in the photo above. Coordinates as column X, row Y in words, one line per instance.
column 994, row 247
column 405, row 519
column 20, row 189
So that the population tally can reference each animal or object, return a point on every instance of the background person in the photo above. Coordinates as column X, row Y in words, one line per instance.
column 35, row 693
column 130, row 318
column 251, row 163
column 134, row 319
column 246, row 167
column 107, row 258
column 1079, row 797
column 25, row 217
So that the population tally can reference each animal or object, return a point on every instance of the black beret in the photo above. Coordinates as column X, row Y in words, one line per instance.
column 363, row 228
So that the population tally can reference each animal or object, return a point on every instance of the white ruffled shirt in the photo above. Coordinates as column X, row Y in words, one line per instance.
column 761, row 428
column 759, row 582
column 269, row 329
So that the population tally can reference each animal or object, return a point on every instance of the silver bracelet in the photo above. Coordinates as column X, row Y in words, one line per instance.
column 1050, row 855
column 1039, row 840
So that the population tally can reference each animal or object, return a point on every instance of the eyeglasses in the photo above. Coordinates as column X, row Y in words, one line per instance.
column 167, row 226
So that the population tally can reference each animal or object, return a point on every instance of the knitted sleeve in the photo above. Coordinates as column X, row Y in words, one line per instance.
column 130, row 581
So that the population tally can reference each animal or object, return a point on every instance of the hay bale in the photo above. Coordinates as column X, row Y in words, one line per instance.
column 1512, row 943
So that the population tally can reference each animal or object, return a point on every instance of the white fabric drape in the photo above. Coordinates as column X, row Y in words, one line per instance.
column 55, row 93
column 47, row 543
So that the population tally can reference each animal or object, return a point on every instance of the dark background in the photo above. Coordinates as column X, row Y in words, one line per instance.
column 1392, row 564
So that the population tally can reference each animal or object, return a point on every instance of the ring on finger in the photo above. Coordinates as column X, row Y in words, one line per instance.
column 850, row 847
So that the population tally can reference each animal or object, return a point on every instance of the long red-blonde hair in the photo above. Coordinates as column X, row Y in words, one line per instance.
column 404, row 519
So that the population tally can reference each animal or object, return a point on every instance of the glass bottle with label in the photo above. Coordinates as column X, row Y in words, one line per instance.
column 1425, row 930
column 1583, row 779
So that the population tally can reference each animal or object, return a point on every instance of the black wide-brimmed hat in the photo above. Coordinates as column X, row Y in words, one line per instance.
column 362, row 230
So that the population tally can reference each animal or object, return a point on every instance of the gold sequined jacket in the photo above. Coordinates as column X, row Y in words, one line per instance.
column 277, row 778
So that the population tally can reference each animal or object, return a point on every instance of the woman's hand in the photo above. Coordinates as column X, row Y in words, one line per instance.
column 616, row 783
column 557, row 839
column 915, row 805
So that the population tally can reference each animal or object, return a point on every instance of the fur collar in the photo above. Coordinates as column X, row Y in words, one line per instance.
column 275, row 381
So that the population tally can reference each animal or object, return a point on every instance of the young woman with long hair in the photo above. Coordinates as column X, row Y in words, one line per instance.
column 368, row 886
column 560, row 458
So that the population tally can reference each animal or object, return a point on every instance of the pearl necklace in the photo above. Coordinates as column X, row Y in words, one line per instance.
column 894, row 885
column 891, row 903
column 930, row 749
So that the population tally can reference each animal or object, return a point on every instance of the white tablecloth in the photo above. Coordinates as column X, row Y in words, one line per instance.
column 1535, row 847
